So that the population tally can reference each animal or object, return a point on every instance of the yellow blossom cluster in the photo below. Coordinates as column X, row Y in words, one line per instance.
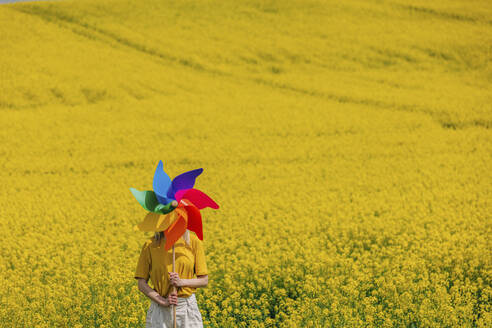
column 347, row 143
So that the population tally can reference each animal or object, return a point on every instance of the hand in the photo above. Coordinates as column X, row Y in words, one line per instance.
column 175, row 280
column 171, row 299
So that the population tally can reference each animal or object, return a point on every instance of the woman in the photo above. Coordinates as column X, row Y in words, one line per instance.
column 155, row 262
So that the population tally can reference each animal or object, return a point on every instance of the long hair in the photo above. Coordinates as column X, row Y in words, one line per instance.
column 160, row 236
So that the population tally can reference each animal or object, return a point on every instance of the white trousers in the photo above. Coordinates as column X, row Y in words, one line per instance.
column 187, row 314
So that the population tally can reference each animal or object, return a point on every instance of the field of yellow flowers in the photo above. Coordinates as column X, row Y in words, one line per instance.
column 348, row 144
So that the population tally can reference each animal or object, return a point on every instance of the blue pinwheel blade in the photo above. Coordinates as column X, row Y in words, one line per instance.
column 163, row 200
column 161, row 184
column 183, row 181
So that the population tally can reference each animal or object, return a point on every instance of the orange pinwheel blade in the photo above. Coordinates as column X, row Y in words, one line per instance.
column 177, row 229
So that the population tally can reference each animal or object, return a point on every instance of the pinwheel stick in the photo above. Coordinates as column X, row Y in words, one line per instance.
column 174, row 289
column 174, row 204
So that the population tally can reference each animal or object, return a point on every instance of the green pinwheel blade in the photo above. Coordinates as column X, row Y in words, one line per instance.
column 164, row 209
column 146, row 198
column 149, row 201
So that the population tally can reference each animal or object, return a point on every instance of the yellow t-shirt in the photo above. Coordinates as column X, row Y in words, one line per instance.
column 156, row 262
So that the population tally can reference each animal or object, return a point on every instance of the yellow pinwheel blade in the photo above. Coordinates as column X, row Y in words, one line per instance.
column 156, row 222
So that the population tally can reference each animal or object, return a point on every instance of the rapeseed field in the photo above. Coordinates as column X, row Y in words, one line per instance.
column 348, row 144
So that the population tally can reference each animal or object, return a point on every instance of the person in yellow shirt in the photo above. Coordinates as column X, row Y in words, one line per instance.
column 190, row 273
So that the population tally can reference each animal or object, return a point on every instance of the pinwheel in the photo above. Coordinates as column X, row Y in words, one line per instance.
column 173, row 206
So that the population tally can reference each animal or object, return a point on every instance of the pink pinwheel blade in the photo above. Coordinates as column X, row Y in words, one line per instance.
column 197, row 197
column 179, row 195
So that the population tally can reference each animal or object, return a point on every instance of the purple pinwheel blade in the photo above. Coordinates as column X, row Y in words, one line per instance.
column 183, row 181
column 161, row 184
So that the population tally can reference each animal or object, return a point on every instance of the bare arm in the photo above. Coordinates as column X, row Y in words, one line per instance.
column 144, row 287
column 200, row 281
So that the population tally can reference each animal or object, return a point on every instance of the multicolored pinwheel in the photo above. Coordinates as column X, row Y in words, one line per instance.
column 174, row 206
